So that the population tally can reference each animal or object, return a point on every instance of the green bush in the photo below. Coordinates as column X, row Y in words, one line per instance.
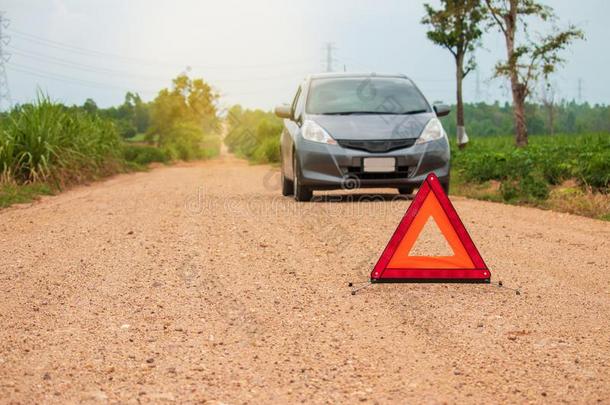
column 527, row 189
column 126, row 129
column 143, row 155
column 595, row 170
column 187, row 141
column 254, row 135
column 210, row 146
column 268, row 151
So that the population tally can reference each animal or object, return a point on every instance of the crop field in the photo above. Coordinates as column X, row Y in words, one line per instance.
column 565, row 172
column 47, row 142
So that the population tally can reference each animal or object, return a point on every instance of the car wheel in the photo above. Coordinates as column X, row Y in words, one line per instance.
column 445, row 187
column 405, row 190
column 301, row 193
column 287, row 186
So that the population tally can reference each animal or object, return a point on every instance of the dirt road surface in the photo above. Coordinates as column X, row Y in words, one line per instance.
column 199, row 283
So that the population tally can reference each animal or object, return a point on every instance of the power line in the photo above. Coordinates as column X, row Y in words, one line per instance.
column 146, row 61
column 67, row 79
column 5, row 92
column 36, row 72
column 124, row 74
column 80, row 66
column 28, row 70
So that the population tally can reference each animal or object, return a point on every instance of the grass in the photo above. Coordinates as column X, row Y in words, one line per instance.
column 574, row 200
column 137, row 138
column 562, row 198
column 46, row 146
column 18, row 194
column 143, row 155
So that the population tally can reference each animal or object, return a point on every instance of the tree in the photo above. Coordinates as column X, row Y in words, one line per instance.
column 90, row 106
column 189, row 101
column 138, row 111
column 456, row 26
column 529, row 60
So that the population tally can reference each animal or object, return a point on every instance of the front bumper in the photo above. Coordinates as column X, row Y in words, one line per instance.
column 325, row 166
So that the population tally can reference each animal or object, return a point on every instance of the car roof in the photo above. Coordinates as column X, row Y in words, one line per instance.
column 341, row 75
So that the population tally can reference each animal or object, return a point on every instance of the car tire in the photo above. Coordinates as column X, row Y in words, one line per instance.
column 287, row 186
column 301, row 193
column 405, row 190
column 445, row 187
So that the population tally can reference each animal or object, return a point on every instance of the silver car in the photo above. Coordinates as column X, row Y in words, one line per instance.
column 347, row 131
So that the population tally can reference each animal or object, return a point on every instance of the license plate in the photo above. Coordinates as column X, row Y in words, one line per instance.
column 379, row 165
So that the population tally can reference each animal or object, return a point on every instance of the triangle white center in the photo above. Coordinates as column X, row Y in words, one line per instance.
column 431, row 242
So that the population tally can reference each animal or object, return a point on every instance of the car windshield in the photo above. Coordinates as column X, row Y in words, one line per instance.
column 365, row 95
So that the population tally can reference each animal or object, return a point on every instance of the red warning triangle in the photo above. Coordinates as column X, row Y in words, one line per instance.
column 396, row 264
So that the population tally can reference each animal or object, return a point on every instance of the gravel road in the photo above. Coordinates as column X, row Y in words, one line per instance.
column 199, row 283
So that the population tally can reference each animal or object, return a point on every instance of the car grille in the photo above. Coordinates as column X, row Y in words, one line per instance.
column 377, row 146
column 402, row 172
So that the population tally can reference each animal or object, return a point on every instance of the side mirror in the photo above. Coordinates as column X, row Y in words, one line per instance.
column 442, row 110
column 283, row 111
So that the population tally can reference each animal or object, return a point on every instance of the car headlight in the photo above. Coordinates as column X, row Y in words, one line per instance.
column 433, row 131
column 315, row 133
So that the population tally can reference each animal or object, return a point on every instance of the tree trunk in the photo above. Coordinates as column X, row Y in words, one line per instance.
column 519, row 115
column 462, row 137
column 518, row 89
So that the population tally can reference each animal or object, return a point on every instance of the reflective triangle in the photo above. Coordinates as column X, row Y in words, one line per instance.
column 396, row 263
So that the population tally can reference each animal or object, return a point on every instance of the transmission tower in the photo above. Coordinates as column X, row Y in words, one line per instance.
column 580, row 90
column 330, row 48
column 5, row 94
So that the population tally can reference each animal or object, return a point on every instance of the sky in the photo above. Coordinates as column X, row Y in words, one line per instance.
column 256, row 52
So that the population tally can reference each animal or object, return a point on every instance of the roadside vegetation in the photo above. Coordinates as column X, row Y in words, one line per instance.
column 46, row 146
column 568, row 173
column 46, row 142
column 253, row 135
column 184, row 122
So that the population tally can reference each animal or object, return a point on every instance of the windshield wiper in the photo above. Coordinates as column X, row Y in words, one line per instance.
column 376, row 112
column 350, row 113
column 412, row 112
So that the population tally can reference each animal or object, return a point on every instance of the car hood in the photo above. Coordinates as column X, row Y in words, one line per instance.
column 373, row 127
